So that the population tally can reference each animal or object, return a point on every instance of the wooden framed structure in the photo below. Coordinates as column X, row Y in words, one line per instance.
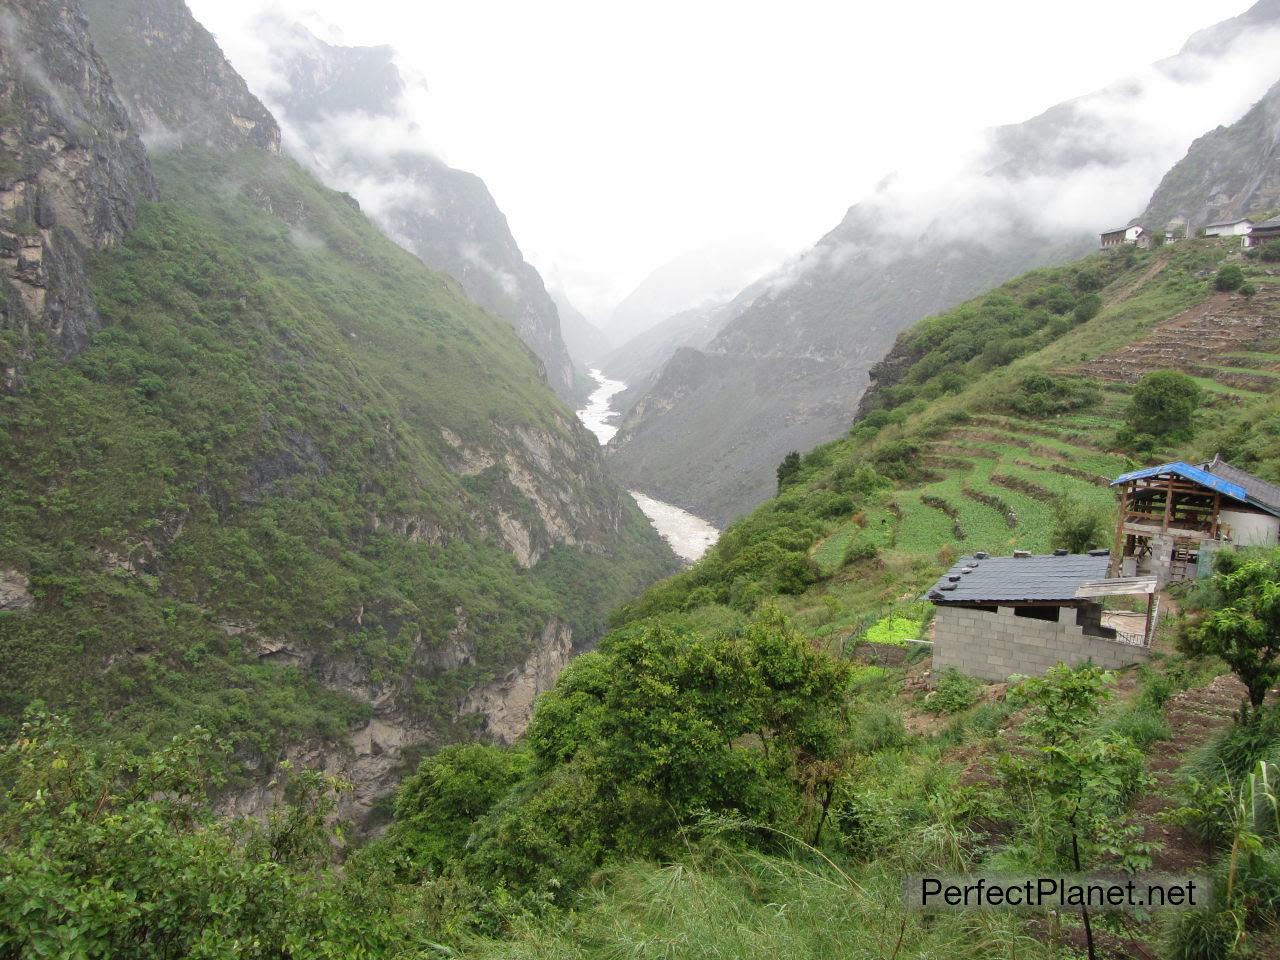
column 1171, row 514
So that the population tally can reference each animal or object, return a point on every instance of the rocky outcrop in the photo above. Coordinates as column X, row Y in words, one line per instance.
column 372, row 757
column 206, row 102
column 15, row 591
column 72, row 173
column 1230, row 172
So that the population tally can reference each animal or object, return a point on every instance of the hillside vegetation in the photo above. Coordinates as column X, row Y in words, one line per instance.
column 750, row 763
column 278, row 468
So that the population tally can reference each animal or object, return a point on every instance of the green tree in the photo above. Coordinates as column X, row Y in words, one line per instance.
column 1077, row 781
column 1079, row 527
column 1163, row 405
column 1230, row 277
column 1242, row 623
column 437, row 807
column 1089, row 280
column 788, row 469
column 1270, row 251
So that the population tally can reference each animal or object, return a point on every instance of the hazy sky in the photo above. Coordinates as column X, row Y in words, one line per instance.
column 617, row 136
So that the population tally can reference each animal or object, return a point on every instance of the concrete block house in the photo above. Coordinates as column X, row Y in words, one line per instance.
column 1175, row 514
column 1000, row 616
column 1136, row 234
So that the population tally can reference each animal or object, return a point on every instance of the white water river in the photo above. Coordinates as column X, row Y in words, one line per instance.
column 689, row 536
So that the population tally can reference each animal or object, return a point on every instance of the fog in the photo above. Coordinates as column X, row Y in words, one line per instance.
column 616, row 138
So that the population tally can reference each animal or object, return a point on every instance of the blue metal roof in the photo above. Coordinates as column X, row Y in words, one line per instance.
column 1188, row 472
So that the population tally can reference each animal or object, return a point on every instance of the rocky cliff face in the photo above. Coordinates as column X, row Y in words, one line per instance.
column 328, row 98
column 178, row 86
column 786, row 371
column 72, row 173
column 1229, row 172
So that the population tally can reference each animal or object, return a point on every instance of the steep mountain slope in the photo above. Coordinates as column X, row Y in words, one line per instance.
column 1229, row 172
column 298, row 489
column 344, row 113
column 586, row 342
column 788, row 371
column 72, row 174
column 697, row 279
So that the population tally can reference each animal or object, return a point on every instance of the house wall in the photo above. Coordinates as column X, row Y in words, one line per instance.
column 1229, row 230
column 994, row 646
column 1252, row 529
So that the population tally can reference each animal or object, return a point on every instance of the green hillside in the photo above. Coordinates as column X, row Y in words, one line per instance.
column 239, row 507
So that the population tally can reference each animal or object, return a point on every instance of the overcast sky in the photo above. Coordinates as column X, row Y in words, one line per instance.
column 618, row 136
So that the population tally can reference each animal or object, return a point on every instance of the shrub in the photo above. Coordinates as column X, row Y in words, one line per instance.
column 1087, row 307
column 1248, row 290
column 955, row 692
column 1270, row 251
column 1202, row 935
column 859, row 551
column 1077, row 527
column 1088, row 280
column 1230, row 277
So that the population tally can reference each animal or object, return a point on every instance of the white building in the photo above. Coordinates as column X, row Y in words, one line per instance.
column 1136, row 234
column 1229, row 228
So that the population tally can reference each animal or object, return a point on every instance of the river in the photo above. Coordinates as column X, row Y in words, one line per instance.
column 689, row 536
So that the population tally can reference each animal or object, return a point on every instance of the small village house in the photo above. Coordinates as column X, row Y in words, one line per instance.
column 1001, row 616
column 1263, row 232
column 1229, row 228
column 1134, row 233
column 1174, row 514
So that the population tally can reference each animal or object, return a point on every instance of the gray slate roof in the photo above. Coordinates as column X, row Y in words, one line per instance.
column 1266, row 495
column 1271, row 224
column 1013, row 579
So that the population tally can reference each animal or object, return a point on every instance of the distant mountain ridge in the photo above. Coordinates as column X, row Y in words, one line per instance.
column 445, row 216
column 787, row 371
column 1228, row 173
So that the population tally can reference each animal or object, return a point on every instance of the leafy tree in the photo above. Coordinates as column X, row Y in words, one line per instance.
column 788, row 469
column 1230, row 277
column 437, row 807
column 1242, row 624
column 1078, row 781
column 1163, row 405
column 1079, row 527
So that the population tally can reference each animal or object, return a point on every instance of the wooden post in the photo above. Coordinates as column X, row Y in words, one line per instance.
column 1217, row 504
column 1168, row 504
column 1146, row 634
column 1117, row 546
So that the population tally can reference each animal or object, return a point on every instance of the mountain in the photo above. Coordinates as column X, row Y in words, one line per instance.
column 1230, row 172
column 292, row 486
column 344, row 113
column 73, row 173
column 587, row 343
column 696, row 279
column 787, row 372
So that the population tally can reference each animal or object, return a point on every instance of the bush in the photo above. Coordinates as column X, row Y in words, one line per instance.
column 1248, row 290
column 955, row 692
column 860, row 551
column 1088, row 280
column 1270, row 251
column 1229, row 278
column 1202, row 935
column 1087, row 307
column 1079, row 528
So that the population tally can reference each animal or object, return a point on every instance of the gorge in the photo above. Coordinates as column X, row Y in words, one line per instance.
column 689, row 536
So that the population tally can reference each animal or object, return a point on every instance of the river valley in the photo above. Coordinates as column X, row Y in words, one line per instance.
column 690, row 536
